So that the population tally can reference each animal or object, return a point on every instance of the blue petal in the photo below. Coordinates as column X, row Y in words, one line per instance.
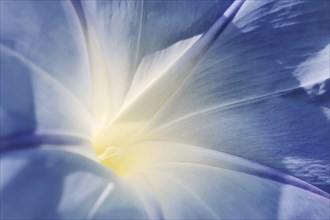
column 48, row 34
column 34, row 103
column 192, row 182
column 126, row 31
column 250, row 95
column 49, row 184
column 44, row 70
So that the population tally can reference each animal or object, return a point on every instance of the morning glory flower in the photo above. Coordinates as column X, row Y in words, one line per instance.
column 165, row 109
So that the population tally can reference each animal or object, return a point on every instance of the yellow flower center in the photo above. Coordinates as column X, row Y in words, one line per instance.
column 115, row 149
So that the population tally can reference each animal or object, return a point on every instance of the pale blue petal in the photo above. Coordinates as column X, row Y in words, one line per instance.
column 260, row 92
column 34, row 102
column 195, row 191
column 44, row 71
column 48, row 34
column 127, row 31
column 50, row 184
column 258, row 120
column 191, row 182
column 159, row 79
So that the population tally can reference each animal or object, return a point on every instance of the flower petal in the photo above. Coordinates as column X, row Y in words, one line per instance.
column 129, row 30
column 34, row 103
column 192, row 182
column 198, row 192
column 44, row 71
column 250, row 97
column 49, row 34
column 162, row 84
column 48, row 184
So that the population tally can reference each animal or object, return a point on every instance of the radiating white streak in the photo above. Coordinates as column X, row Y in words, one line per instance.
column 148, row 132
column 165, row 152
column 99, row 201
column 101, row 101
column 46, row 77
column 218, row 78
column 223, row 107
column 163, row 88
column 48, row 33
column 223, row 188
column 186, row 188
column 147, row 196
column 137, row 52
column 40, row 196
column 284, row 178
column 156, row 69
column 157, row 93
column 111, row 24
column 148, row 73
